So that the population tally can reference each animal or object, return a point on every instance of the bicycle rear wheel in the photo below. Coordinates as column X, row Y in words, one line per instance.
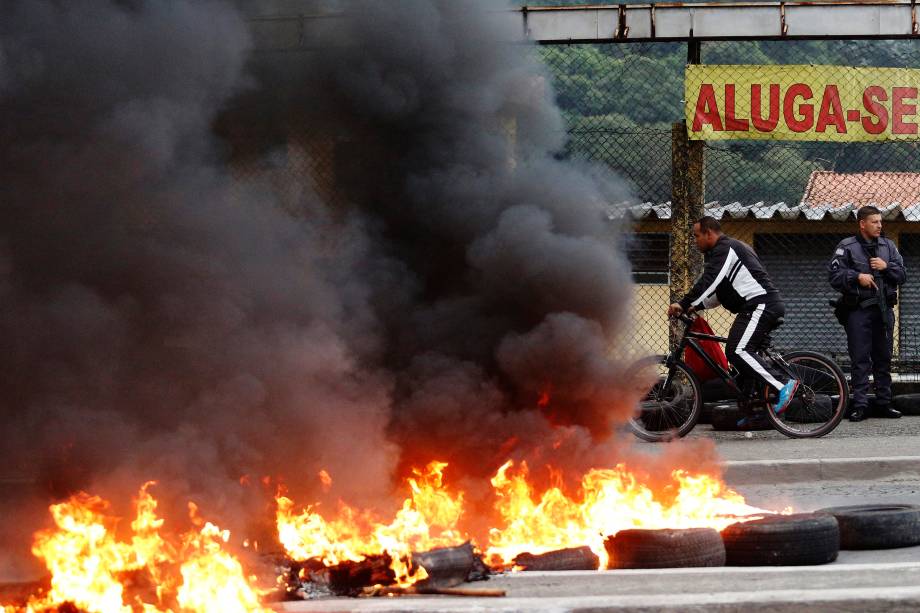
column 820, row 400
column 664, row 413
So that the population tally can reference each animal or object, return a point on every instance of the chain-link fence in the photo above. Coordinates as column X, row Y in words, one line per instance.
column 793, row 201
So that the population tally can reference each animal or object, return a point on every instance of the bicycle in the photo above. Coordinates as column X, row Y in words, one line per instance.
column 671, row 406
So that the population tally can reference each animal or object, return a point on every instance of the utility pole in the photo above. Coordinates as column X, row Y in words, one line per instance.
column 686, row 203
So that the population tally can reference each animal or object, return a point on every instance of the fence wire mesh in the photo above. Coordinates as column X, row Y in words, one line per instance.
column 793, row 201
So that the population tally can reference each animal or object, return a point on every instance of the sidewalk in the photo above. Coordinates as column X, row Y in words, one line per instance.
column 870, row 449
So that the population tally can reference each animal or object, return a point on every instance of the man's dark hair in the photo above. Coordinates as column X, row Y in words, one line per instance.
column 865, row 211
column 708, row 223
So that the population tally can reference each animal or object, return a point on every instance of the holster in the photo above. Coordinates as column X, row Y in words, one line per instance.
column 842, row 306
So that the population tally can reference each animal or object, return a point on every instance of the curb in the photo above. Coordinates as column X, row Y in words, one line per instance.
column 856, row 588
column 742, row 472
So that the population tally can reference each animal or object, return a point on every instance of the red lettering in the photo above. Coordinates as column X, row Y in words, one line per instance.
column 707, row 111
column 732, row 124
column 871, row 98
column 807, row 111
column 765, row 125
column 831, row 112
column 898, row 110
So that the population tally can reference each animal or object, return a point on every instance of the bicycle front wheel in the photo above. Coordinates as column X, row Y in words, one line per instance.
column 820, row 400
column 665, row 411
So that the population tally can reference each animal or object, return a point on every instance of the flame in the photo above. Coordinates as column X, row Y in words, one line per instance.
column 94, row 571
column 427, row 519
column 609, row 500
column 212, row 579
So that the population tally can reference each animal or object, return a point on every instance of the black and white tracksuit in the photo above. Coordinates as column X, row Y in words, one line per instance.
column 735, row 278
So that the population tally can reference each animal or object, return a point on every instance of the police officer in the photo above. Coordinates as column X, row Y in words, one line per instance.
column 867, row 270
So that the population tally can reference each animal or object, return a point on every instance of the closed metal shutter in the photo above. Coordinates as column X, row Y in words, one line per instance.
column 908, row 348
column 797, row 263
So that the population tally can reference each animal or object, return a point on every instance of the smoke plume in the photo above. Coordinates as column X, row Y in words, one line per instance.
column 452, row 292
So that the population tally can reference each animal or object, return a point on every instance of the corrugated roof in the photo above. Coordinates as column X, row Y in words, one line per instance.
column 761, row 210
column 881, row 189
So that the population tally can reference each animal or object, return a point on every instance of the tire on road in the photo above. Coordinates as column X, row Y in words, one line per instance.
column 716, row 390
column 908, row 404
column 821, row 411
column 706, row 413
column 666, row 548
column 877, row 526
column 782, row 540
column 725, row 416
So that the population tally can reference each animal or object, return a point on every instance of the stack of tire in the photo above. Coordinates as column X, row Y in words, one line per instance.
column 724, row 416
column 715, row 393
column 773, row 540
column 908, row 404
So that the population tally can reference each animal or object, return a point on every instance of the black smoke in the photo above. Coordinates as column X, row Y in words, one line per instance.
column 455, row 295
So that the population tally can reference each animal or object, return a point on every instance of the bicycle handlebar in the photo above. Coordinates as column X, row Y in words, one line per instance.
column 686, row 317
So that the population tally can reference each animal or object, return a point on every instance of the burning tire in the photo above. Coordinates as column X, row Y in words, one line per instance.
column 665, row 548
column 877, row 526
column 574, row 558
column 783, row 540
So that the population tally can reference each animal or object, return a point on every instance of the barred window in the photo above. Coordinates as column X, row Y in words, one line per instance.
column 649, row 255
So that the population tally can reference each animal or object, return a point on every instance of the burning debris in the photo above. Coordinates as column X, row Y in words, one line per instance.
column 573, row 558
column 443, row 569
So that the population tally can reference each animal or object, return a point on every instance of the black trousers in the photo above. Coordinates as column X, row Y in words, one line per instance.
column 870, row 342
column 747, row 337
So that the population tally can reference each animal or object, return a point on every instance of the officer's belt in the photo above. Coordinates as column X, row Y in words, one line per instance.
column 868, row 302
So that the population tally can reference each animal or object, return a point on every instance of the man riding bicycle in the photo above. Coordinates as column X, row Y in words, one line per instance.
column 734, row 277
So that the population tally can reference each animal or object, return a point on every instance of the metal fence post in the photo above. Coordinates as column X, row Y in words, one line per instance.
column 686, row 203
column 686, row 207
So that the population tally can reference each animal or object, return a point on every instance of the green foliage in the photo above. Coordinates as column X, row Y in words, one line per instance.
column 620, row 100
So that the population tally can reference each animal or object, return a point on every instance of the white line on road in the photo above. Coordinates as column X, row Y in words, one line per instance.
column 849, row 599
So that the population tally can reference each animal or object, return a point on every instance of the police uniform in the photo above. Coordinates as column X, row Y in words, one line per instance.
column 870, row 317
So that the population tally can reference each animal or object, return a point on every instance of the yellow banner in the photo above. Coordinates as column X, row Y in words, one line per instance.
column 821, row 103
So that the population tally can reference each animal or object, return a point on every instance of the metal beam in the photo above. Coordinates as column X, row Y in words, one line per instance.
column 719, row 21
column 644, row 22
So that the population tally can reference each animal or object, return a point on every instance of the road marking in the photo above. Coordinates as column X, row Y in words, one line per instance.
column 609, row 602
